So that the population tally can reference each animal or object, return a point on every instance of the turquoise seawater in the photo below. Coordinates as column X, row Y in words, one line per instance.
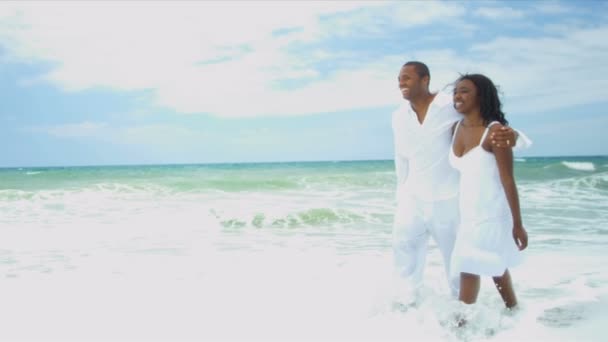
column 270, row 246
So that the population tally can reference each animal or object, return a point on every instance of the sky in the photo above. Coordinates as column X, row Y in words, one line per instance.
column 107, row 83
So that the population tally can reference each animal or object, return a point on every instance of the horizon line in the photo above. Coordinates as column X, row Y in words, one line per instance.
column 265, row 162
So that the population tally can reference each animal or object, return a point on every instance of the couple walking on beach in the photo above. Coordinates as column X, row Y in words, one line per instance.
column 455, row 183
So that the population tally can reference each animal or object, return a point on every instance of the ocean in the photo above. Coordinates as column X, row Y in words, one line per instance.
column 278, row 252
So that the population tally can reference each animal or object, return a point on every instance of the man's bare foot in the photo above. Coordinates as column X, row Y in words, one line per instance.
column 401, row 307
column 460, row 320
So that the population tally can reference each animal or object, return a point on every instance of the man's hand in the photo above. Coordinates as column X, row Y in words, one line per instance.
column 503, row 136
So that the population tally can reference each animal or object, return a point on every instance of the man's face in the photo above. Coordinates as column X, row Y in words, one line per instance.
column 410, row 84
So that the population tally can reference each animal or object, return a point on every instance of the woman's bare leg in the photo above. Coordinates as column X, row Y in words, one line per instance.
column 505, row 288
column 469, row 288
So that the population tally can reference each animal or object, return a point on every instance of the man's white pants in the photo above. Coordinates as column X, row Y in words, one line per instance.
column 415, row 220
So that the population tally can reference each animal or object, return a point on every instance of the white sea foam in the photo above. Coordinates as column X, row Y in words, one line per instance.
column 145, row 262
column 521, row 160
column 581, row 166
column 566, row 201
column 144, row 280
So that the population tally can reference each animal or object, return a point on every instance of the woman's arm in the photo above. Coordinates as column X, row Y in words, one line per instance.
column 504, row 160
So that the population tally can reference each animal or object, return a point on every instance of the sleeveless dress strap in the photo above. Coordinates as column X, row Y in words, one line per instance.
column 455, row 130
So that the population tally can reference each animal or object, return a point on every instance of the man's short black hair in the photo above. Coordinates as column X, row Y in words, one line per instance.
column 421, row 68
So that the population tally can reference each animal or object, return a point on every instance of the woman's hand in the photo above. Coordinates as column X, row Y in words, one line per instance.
column 520, row 236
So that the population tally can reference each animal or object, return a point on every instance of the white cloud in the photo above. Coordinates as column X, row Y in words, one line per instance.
column 195, row 57
column 222, row 58
column 552, row 7
column 501, row 13
column 534, row 74
column 375, row 20
column 72, row 130
column 547, row 73
column 163, row 135
column 412, row 13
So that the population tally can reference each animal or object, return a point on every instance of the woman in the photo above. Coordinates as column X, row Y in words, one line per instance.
column 491, row 232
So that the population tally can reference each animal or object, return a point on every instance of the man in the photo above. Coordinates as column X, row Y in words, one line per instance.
column 427, row 186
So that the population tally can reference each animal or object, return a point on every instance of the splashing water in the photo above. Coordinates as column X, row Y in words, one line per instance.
column 276, row 252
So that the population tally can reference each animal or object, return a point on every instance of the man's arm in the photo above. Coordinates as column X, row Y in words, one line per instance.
column 402, row 171
column 401, row 163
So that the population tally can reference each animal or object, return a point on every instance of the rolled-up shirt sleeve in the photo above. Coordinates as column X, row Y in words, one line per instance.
column 523, row 142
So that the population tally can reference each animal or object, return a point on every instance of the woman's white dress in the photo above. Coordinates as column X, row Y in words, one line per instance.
column 484, row 245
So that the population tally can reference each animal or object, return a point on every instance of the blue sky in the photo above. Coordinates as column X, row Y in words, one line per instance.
column 201, row 82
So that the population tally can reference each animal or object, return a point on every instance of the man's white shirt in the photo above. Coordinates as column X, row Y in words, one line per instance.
column 421, row 150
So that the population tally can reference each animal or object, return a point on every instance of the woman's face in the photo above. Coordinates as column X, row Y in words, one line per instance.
column 465, row 97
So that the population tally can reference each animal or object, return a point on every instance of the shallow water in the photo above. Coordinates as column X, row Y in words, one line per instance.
column 286, row 251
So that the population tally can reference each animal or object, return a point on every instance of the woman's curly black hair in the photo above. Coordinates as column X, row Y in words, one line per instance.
column 489, row 102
